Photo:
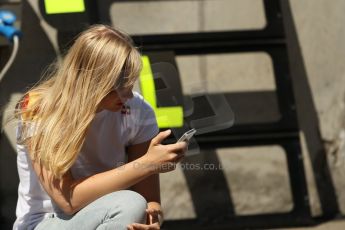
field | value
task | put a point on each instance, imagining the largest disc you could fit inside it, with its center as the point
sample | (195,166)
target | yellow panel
(167,117)
(64,6)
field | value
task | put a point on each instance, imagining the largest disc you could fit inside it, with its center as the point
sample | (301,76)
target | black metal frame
(284,132)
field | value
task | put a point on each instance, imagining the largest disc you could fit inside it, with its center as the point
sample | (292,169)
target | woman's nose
(130,95)
(127,95)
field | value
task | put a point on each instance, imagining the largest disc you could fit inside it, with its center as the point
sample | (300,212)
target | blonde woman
(88,150)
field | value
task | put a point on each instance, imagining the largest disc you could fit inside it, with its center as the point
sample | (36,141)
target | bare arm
(149,187)
(72,195)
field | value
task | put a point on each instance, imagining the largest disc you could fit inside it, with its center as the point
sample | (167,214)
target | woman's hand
(137,226)
(152,222)
(163,158)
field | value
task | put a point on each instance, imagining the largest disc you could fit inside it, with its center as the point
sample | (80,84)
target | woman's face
(115,100)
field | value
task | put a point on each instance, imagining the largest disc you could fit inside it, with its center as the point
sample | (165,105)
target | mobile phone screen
(187,135)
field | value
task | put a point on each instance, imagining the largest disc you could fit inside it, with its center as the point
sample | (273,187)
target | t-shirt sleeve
(24,133)
(144,124)
(26,126)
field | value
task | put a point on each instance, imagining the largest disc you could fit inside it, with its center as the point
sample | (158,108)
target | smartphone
(187,135)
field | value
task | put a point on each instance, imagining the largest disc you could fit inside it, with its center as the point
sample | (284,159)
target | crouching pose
(89,149)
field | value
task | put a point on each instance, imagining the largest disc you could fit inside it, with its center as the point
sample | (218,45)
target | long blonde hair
(100,60)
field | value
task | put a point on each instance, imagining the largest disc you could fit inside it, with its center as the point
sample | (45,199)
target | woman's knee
(122,207)
(133,200)
(128,201)
(131,206)
(124,196)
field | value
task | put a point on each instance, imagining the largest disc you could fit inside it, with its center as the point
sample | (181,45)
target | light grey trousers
(113,211)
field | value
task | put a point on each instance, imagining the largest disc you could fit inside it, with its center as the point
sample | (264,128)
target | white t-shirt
(104,149)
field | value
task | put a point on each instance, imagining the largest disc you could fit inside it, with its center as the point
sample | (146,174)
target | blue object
(7,29)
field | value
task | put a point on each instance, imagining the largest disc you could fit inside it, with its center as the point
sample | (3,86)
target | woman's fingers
(136,226)
(153,215)
(160,137)
(177,147)
(179,158)
(164,157)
